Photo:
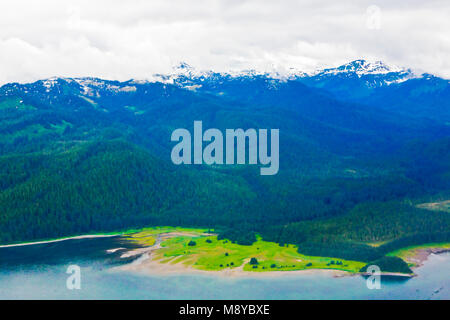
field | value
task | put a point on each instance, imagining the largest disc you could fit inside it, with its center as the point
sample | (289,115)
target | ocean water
(39,272)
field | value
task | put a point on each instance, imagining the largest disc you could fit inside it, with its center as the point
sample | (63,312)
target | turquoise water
(39,272)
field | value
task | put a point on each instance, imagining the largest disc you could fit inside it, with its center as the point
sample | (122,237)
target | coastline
(150,263)
(87,236)
(420,255)
(145,262)
(391,274)
(146,266)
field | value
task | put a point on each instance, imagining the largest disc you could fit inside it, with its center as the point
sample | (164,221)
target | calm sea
(39,272)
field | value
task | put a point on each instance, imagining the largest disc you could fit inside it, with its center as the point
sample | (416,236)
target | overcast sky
(115,39)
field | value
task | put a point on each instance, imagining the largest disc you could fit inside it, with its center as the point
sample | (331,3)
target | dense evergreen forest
(87,155)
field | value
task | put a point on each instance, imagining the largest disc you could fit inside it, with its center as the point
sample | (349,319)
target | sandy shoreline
(147,266)
(421,255)
(88,236)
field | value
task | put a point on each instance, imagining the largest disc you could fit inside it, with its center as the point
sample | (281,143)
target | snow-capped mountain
(357,79)
(360,81)
(363,67)
(358,67)
(363,75)
(375,74)
(359,73)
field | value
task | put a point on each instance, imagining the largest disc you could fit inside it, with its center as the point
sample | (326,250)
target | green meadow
(147,236)
(208,253)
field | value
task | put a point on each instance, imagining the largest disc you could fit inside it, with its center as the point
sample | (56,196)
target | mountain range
(360,146)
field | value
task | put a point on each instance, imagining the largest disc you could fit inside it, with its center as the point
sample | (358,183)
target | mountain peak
(363,67)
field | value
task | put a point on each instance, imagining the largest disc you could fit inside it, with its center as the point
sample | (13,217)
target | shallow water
(39,272)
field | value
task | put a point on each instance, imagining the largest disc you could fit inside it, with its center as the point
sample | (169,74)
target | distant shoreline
(88,236)
(144,264)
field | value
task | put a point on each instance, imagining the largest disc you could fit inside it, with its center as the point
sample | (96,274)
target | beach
(156,268)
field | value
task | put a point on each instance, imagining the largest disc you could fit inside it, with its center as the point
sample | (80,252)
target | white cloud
(135,39)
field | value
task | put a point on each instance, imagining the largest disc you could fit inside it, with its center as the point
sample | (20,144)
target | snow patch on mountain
(374,74)
(187,76)
(362,67)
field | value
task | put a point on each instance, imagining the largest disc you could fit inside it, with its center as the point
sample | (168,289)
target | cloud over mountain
(118,40)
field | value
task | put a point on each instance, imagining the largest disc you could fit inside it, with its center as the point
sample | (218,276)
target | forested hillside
(89,155)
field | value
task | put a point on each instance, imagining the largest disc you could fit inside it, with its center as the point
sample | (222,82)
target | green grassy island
(203,250)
